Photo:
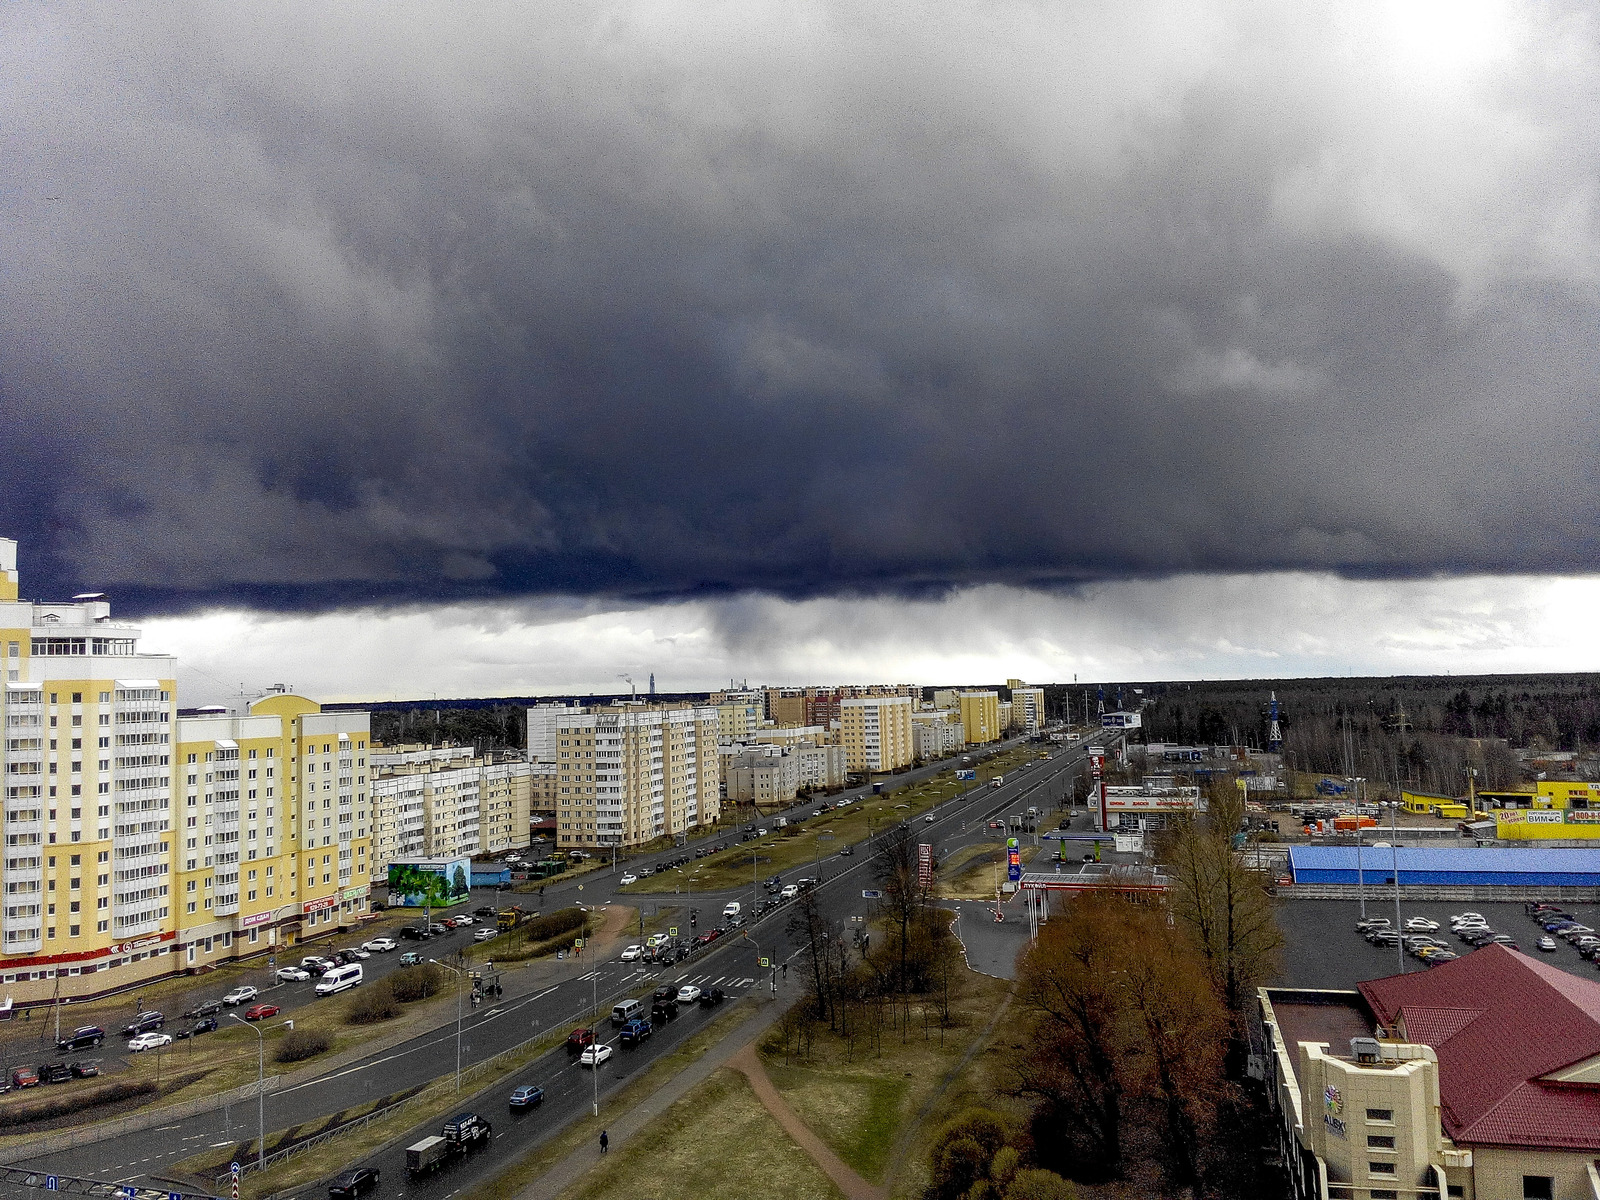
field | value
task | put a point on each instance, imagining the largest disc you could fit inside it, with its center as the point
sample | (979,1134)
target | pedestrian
(605,1141)
(786,970)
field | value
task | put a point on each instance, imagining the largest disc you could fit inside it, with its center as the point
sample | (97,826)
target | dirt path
(748,1063)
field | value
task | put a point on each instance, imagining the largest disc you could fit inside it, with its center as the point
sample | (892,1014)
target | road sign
(871,894)
(131,1192)
(966,775)
(766,962)
(673,931)
(174,1196)
(51,1183)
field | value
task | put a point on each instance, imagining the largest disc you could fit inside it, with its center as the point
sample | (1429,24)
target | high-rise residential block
(1027,708)
(875,732)
(980,717)
(441,802)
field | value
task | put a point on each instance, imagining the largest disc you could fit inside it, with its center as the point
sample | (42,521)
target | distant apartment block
(1027,709)
(876,732)
(980,717)
(448,802)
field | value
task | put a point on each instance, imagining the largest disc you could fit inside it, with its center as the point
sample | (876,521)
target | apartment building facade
(630,772)
(1027,710)
(443,802)
(875,732)
(980,717)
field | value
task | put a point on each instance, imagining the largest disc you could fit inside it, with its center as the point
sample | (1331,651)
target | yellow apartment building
(875,732)
(980,717)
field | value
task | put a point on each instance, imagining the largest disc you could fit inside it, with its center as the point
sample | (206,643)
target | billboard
(429,882)
(1013,860)
(964,776)
(924,864)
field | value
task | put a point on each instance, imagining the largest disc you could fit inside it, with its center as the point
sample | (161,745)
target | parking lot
(1323,950)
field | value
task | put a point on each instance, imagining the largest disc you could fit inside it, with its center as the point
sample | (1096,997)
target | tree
(896,867)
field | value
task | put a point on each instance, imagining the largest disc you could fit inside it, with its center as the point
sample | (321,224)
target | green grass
(858,1113)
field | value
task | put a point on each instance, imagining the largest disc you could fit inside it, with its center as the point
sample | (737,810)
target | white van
(626,1011)
(339,979)
(997,781)
(731,908)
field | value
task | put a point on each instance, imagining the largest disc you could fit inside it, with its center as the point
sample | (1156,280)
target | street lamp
(1394,853)
(261,1087)
(453,971)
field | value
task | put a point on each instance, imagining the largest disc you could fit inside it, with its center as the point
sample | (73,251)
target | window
(1380,1143)
(1538,1187)
(1383,1115)
(1380,1168)
(1384,1194)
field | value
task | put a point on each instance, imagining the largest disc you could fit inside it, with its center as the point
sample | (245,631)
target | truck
(997,781)
(509,918)
(461,1133)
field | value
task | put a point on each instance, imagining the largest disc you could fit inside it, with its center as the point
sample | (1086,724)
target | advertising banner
(924,864)
(1013,860)
(429,882)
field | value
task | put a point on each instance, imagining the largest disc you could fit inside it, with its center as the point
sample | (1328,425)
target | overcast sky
(513,347)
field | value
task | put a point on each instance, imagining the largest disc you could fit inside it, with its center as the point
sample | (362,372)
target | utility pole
(451,969)
(261,1089)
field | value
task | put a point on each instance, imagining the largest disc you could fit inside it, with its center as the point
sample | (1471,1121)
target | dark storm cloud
(303,307)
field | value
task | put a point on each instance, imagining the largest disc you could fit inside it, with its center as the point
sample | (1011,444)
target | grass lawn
(969,873)
(716,1143)
(863,1103)
(784,851)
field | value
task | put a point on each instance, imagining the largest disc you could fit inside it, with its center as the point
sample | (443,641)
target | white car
(1547,942)
(292,975)
(149,1041)
(633,954)
(630,877)
(380,945)
(929,819)
(485,935)
(790,891)
(688,994)
(1421,925)
(1475,917)
(595,1055)
(656,939)
(240,995)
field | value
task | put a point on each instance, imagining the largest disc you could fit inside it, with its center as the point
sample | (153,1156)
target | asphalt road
(1323,950)
(521,1015)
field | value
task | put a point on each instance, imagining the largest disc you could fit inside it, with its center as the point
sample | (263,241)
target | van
(783,822)
(626,1011)
(997,781)
(731,908)
(339,979)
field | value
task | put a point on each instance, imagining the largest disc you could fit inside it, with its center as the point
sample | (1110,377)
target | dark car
(414,933)
(665,992)
(354,1182)
(484,910)
(660,1014)
(712,996)
(579,1039)
(145,1022)
(529,1095)
(847,851)
(207,1008)
(209,1025)
(86,1068)
(85,1037)
(56,1072)
(635,1031)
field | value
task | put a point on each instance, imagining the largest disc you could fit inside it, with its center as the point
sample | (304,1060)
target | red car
(24,1077)
(260,1012)
(579,1039)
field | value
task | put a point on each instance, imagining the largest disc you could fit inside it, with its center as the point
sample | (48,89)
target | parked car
(414,933)
(149,1041)
(86,1068)
(209,1025)
(410,959)
(665,992)
(353,1182)
(353,953)
(292,974)
(260,1012)
(595,1055)
(205,1008)
(529,1095)
(436,929)
(55,1072)
(1547,943)
(85,1037)
(24,1077)
(486,935)
(145,1022)
(241,995)
(663,1011)
(484,910)
(464,920)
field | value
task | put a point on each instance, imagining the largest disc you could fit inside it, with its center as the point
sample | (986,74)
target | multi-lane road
(527,1009)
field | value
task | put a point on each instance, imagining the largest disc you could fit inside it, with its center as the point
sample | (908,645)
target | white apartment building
(820,768)
(759,777)
(1027,709)
(447,802)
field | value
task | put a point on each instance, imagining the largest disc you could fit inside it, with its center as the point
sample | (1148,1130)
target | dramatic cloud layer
(1182,627)
(310,304)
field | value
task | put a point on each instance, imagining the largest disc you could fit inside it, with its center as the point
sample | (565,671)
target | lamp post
(261,1089)
(1361,879)
(453,971)
(1394,853)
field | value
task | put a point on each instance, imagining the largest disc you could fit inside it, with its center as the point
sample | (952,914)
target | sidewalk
(576,1164)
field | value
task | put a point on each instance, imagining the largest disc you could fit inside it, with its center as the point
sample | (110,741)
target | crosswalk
(721,981)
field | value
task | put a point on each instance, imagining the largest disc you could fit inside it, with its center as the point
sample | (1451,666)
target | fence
(67,1139)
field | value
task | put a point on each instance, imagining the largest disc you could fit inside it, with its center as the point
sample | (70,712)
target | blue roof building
(1463,866)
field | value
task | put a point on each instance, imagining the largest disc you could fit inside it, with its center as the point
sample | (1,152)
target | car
(1444,956)
(464,920)
(688,994)
(663,1011)
(260,1012)
(353,1182)
(528,1095)
(85,1037)
(149,1041)
(86,1068)
(630,877)
(205,1008)
(145,1022)
(56,1072)
(24,1077)
(412,933)
(712,996)
(292,974)
(847,851)
(809,882)
(656,939)
(1421,925)
(486,935)
(410,959)
(315,964)
(355,952)
(762,832)
(578,1039)
(929,819)
(1547,943)
(1362,925)
(438,928)
(790,891)
(484,910)
(665,992)
(1467,916)
(209,1025)
(595,1055)
(632,953)
(635,1031)
(241,995)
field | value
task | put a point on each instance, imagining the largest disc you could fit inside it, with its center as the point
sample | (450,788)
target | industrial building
(1445,866)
